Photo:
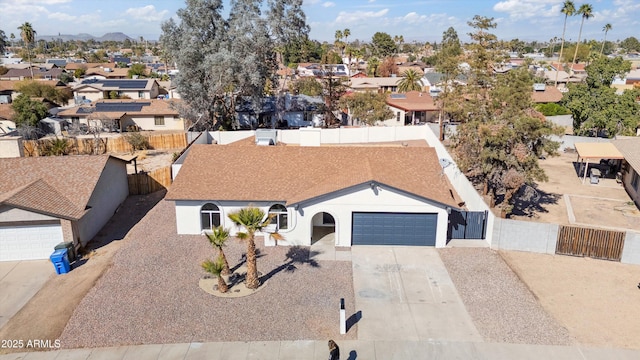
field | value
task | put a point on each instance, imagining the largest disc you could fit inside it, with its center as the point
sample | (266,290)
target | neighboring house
(562,77)
(95,89)
(144,114)
(364,195)
(315,69)
(410,108)
(378,84)
(8,91)
(38,73)
(73,66)
(106,73)
(543,94)
(630,149)
(417,66)
(297,111)
(51,199)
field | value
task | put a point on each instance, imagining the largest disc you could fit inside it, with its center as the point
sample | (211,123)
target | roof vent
(538,87)
(266,137)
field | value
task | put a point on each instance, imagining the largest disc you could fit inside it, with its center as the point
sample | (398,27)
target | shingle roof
(294,174)
(630,149)
(551,94)
(58,185)
(412,101)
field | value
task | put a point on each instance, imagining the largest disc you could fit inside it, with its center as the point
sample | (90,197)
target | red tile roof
(294,174)
(59,186)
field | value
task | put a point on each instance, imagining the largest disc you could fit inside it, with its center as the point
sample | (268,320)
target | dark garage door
(394,229)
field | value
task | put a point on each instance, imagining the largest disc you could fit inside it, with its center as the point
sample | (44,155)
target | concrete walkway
(19,281)
(351,350)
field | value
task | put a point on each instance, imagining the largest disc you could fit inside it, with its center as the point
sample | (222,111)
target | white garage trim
(29,242)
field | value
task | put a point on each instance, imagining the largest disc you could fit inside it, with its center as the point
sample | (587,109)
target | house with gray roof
(97,89)
(51,199)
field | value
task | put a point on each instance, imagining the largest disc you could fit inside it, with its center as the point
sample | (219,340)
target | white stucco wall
(340,206)
(110,191)
(148,122)
(11,147)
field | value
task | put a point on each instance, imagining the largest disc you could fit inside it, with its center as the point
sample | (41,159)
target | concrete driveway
(405,293)
(19,281)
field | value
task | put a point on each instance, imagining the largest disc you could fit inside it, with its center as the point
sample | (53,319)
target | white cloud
(328,4)
(359,16)
(147,13)
(526,9)
(62,16)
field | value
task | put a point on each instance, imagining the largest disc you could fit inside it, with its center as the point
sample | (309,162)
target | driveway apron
(405,293)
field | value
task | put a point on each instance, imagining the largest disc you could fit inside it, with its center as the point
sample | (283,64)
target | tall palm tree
(28,36)
(586,10)
(217,237)
(252,220)
(606,29)
(568,9)
(216,268)
(346,33)
(410,81)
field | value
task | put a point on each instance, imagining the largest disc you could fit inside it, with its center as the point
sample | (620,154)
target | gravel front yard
(151,294)
(500,304)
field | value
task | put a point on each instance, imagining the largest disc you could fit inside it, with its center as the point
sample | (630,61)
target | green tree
(367,108)
(217,238)
(447,61)
(46,91)
(595,106)
(307,86)
(28,36)
(630,44)
(79,72)
(333,89)
(583,53)
(3,41)
(606,29)
(55,147)
(383,45)
(586,11)
(568,9)
(410,81)
(28,112)
(137,70)
(216,268)
(252,219)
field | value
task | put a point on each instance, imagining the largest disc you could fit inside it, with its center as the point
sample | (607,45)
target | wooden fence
(148,182)
(595,243)
(79,146)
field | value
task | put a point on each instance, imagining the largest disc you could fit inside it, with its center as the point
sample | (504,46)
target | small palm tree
(252,220)
(217,237)
(28,36)
(606,29)
(586,10)
(215,268)
(410,81)
(568,9)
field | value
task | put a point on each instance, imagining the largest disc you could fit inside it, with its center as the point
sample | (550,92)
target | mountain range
(114,36)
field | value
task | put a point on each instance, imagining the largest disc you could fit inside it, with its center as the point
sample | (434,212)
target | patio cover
(600,150)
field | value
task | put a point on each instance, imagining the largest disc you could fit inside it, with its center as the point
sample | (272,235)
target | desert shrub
(552,109)
(137,141)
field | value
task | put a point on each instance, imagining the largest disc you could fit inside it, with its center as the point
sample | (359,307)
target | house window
(398,116)
(140,94)
(279,216)
(635,181)
(209,216)
(159,120)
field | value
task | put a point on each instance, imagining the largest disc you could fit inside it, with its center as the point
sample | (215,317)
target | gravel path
(500,304)
(151,295)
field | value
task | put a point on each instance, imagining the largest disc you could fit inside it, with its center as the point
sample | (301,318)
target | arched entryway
(323,229)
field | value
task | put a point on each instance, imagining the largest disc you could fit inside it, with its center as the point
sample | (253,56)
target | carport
(589,152)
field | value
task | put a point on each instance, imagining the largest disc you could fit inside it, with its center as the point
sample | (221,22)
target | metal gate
(467,224)
(595,243)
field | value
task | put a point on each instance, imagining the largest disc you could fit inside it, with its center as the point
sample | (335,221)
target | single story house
(543,94)
(364,195)
(412,107)
(39,72)
(377,84)
(96,89)
(630,149)
(106,73)
(144,114)
(47,200)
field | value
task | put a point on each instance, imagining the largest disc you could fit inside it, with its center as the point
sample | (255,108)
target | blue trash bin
(60,261)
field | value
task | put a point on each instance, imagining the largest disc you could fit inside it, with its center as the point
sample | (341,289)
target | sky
(415,20)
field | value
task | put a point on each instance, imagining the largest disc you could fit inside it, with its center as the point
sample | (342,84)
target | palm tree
(217,237)
(28,36)
(410,81)
(606,29)
(568,9)
(586,10)
(252,220)
(216,268)
(346,33)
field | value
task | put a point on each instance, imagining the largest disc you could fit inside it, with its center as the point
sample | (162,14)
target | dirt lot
(597,301)
(605,204)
